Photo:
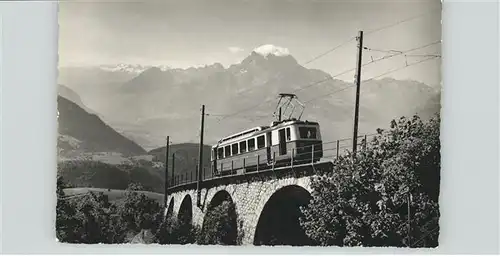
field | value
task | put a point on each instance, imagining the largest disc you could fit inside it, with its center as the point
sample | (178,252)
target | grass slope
(114,195)
(102,175)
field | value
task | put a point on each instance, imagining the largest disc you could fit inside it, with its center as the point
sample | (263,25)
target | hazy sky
(185,33)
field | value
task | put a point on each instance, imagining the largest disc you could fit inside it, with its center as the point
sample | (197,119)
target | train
(286,141)
(283,143)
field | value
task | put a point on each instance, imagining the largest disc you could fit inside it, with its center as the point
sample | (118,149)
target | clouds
(235,49)
(268,49)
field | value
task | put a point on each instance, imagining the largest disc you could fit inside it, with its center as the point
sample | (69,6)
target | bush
(138,211)
(88,219)
(173,232)
(93,219)
(363,200)
(220,226)
(66,220)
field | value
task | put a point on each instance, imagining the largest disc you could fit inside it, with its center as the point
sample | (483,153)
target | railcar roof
(306,122)
(261,129)
(243,133)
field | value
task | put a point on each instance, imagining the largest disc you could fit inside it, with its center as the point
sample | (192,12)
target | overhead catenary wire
(403,67)
(366,64)
(397,53)
(372,78)
(379,50)
(330,50)
(369,63)
(222,115)
(423,55)
(368,32)
(333,49)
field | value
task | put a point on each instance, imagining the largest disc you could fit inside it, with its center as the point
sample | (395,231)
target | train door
(214,161)
(282,141)
(269,145)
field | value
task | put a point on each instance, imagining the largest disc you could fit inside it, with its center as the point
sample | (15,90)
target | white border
(470,181)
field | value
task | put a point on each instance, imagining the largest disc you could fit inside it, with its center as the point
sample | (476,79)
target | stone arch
(220,215)
(218,198)
(185,214)
(278,223)
(170,210)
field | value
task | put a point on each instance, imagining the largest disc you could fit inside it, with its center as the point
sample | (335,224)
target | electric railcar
(262,147)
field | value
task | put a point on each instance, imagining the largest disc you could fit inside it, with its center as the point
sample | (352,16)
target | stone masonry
(249,195)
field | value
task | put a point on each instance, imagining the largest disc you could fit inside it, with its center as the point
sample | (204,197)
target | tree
(66,222)
(362,201)
(171,231)
(86,219)
(91,218)
(220,225)
(138,212)
(98,220)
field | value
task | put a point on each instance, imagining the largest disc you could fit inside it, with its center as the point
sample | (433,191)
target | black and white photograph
(249,123)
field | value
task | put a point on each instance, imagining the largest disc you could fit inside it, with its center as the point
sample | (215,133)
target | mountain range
(150,103)
(83,132)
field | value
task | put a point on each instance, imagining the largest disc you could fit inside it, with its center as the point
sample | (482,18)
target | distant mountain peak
(216,66)
(153,69)
(131,68)
(266,50)
(269,57)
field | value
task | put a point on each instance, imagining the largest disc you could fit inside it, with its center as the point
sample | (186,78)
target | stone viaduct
(266,202)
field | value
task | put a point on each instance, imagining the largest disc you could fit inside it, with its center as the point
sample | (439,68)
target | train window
(234,148)
(251,144)
(288,136)
(243,146)
(220,153)
(307,132)
(227,151)
(261,142)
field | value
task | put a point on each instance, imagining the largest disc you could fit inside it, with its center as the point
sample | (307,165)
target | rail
(328,151)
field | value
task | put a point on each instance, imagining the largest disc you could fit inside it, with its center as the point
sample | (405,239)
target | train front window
(227,151)
(220,153)
(243,146)
(288,135)
(234,148)
(261,142)
(307,132)
(251,144)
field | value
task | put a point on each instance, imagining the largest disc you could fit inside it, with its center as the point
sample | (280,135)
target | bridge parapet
(250,192)
(276,173)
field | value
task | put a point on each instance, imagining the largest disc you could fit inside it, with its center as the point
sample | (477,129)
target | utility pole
(173,169)
(200,158)
(409,218)
(358,83)
(279,116)
(166,171)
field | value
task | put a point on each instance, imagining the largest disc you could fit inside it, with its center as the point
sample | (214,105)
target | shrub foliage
(363,201)
(220,226)
(92,218)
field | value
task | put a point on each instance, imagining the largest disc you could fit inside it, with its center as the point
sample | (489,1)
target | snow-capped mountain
(157,102)
(266,50)
(131,68)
